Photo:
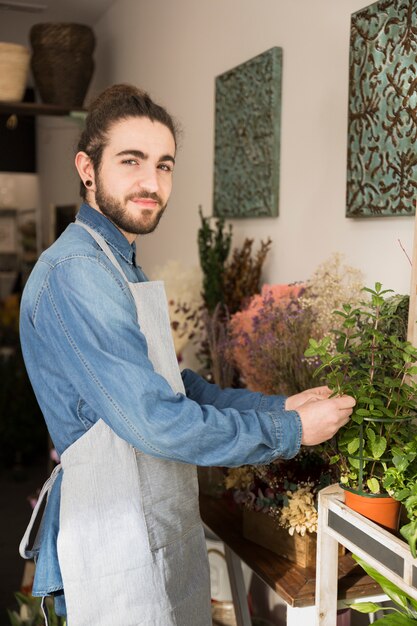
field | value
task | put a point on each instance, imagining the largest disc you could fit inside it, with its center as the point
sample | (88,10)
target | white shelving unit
(385,552)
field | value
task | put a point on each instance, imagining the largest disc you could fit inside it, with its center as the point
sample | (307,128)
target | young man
(121,534)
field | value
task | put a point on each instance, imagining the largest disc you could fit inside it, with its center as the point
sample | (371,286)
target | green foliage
(404,615)
(214,247)
(242,276)
(376,368)
(227,286)
(400,482)
(30,612)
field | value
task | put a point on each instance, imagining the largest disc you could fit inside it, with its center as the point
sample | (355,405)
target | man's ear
(85,170)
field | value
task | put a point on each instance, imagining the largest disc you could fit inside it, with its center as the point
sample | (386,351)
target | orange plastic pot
(382,510)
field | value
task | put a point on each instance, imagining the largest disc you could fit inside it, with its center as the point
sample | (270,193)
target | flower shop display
(279,503)
(371,361)
(227,285)
(268,339)
(266,342)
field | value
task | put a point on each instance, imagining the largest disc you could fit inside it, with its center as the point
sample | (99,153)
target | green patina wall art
(382,129)
(247,138)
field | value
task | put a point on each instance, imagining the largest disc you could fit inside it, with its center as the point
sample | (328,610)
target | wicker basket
(62,62)
(14,66)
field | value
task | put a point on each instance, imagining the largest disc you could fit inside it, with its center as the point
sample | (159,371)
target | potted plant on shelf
(369,358)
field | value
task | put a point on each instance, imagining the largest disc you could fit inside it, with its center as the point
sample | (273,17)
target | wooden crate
(262,529)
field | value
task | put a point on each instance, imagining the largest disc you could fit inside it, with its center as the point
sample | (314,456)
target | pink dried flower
(268,340)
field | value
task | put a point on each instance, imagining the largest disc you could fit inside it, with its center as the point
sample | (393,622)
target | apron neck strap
(103,245)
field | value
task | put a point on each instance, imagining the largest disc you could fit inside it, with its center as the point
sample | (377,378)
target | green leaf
(353,445)
(365,607)
(411,502)
(409,532)
(373,485)
(363,412)
(399,597)
(400,462)
(370,434)
(14,618)
(402,494)
(378,447)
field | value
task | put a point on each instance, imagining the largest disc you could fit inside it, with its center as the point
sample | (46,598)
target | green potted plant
(369,359)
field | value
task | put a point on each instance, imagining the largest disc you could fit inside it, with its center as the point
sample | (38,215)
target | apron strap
(23,547)
(103,245)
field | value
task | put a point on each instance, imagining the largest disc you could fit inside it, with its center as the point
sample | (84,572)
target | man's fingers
(344,414)
(345,402)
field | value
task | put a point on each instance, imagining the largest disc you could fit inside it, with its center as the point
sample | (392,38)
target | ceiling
(18,16)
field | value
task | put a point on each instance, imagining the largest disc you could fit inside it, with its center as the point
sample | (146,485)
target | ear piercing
(88,183)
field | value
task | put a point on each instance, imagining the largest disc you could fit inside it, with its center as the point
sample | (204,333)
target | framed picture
(247,138)
(8,231)
(382,126)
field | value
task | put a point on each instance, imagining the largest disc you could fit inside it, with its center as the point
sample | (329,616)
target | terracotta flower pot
(383,510)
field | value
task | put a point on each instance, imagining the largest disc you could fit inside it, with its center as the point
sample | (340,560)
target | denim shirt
(87,360)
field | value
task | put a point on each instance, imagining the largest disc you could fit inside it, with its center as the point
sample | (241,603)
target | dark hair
(113,104)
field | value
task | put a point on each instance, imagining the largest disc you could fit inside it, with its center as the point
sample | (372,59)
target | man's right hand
(321,419)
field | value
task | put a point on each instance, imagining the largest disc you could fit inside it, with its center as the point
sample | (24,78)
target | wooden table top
(294,584)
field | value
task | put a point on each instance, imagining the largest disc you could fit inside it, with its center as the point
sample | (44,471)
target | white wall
(176,49)
(56,139)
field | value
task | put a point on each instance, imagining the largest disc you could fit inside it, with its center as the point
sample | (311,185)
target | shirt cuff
(272,403)
(289,431)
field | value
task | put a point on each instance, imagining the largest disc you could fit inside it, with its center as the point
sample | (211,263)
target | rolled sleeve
(288,433)
(287,424)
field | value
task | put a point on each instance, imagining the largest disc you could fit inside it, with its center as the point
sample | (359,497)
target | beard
(141,224)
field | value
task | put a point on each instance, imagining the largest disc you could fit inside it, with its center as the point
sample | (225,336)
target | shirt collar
(109,231)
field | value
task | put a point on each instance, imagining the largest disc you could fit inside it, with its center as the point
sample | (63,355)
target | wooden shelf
(294,584)
(37,108)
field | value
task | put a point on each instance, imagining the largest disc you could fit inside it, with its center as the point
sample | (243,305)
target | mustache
(145,194)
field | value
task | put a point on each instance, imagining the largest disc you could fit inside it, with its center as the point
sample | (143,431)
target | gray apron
(131,546)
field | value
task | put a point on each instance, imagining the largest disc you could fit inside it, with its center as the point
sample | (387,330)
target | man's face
(134,181)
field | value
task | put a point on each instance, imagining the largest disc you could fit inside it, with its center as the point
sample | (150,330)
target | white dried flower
(332,284)
(300,514)
(183,288)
